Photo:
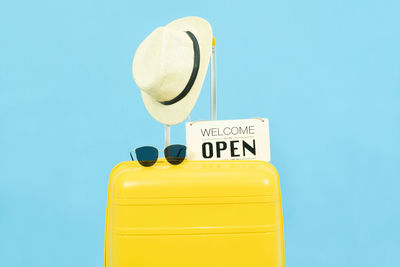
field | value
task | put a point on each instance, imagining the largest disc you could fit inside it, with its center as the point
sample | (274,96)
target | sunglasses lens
(175,154)
(146,155)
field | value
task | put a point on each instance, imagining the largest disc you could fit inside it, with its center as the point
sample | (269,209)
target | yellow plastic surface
(196,214)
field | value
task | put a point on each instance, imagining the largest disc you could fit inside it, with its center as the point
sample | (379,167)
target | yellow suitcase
(196,214)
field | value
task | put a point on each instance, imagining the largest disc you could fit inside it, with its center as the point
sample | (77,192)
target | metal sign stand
(213,82)
(167,135)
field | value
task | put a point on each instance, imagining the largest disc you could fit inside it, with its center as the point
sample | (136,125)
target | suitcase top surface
(194,179)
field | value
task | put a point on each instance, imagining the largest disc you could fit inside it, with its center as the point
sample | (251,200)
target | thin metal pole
(167,135)
(213,82)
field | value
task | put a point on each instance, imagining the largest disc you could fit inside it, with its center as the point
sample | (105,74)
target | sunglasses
(148,155)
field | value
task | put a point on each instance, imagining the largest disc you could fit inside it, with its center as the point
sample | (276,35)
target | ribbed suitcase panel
(199,213)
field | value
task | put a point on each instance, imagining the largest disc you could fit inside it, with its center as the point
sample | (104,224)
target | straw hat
(170,65)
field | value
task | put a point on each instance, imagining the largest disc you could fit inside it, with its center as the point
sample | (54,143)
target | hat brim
(179,111)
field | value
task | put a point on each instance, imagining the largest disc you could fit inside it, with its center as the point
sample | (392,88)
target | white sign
(228,140)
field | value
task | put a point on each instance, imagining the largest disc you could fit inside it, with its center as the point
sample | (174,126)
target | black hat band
(193,76)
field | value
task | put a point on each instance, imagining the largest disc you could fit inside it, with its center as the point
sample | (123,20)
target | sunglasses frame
(173,160)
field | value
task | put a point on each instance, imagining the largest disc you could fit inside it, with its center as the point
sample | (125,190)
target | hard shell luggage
(196,214)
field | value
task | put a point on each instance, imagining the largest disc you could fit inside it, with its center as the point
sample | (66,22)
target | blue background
(326,74)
